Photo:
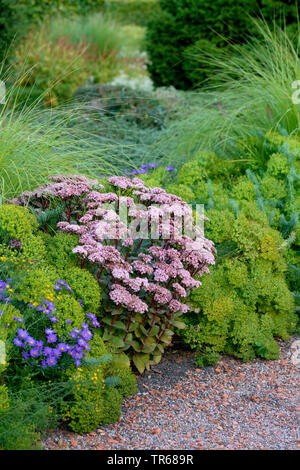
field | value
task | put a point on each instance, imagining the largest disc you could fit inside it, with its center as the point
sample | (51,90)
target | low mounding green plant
(51,336)
(180,27)
(249,299)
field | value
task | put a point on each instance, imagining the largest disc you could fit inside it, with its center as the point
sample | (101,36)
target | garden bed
(233,405)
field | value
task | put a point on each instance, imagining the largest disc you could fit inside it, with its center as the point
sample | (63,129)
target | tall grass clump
(100,31)
(36,143)
(66,53)
(249,94)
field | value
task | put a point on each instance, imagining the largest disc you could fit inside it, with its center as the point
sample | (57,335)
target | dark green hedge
(133,11)
(180,25)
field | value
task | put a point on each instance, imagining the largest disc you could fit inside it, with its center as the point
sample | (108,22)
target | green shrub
(16,222)
(249,299)
(87,411)
(182,29)
(112,402)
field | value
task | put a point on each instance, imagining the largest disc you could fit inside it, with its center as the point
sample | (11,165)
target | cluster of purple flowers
(48,307)
(4,296)
(60,284)
(51,349)
(143,169)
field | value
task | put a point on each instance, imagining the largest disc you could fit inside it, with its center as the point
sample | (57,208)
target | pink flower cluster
(141,275)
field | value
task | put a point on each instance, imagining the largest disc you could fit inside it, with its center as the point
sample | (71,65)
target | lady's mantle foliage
(143,279)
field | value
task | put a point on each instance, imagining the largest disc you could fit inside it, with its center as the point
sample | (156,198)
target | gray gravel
(181,407)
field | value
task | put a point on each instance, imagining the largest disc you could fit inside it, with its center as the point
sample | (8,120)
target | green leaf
(117,341)
(157,358)
(139,364)
(112,381)
(166,339)
(129,338)
(118,324)
(178,324)
(154,330)
(148,348)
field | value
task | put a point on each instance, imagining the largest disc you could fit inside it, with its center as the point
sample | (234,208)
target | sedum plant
(144,277)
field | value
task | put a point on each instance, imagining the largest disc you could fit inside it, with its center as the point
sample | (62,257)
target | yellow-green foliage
(7,323)
(85,287)
(245,303)
(35,286)
(120,367)
(94,403)
(4,400)
(112,402)
(59,250)
(16,222)
(68,308)
(87,411)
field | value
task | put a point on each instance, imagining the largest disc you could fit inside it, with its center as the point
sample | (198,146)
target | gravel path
(229,406)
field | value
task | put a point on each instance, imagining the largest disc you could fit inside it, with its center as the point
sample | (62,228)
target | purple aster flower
(22,333)
(76,354)
(18,342)
(62,347)
(77,362)
(54,319)
(35,352)
(56,353)
(49,331)
(39,344)
(30,341)
(86,334)
(56,287)
(25,355)
(44,364)
(170,168)
(74,333)
(68,321)
(51,361)
(51,338)
(81,342)
(47,351)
